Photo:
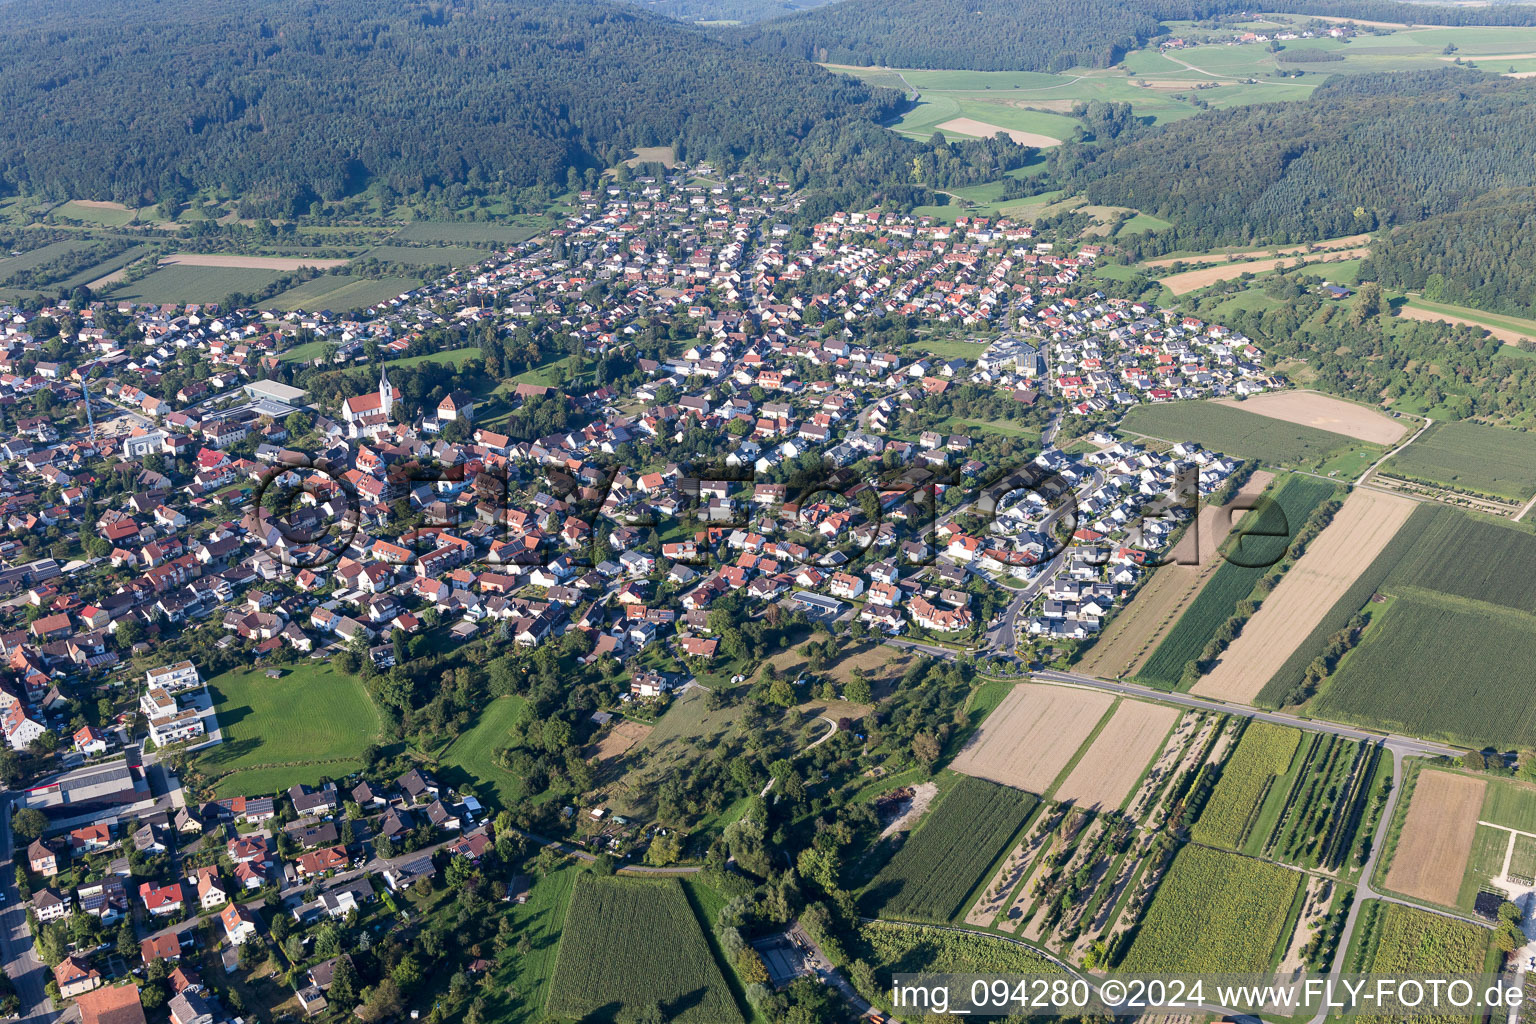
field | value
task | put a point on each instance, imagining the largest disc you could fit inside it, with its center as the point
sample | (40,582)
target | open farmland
(1213,912)
(99,211)
(629,944)
(1511,329)
(1282,686)
(1470,457)
(1226,255)
(1333,561)
(1137,628)
(982,130)
(11,266)
(178,283)
(913,949)
(426,256)
(1431,854)
(1263,754)
(1408,941)
(314,721)
(1103,777)
(1237,432)
(1261,541)
(1310,820)
(230,259)
(1032,735)
(1324,412)
(1472,558)
(930,877)
(1440,668)
(342,292)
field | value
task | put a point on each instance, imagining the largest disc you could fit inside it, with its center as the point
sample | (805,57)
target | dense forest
(1478,256)
(741,11)
(1036,35)
(1363,152)
(286,101)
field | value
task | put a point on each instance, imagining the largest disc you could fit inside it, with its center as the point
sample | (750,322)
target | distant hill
(1363,152)
(288,100)
(1039,35)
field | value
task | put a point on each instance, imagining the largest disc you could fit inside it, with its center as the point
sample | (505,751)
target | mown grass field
(629,944)
(315,721)
(1213,912)
(1237,432)
(1510,803)
(456,356)
(470,759)
(930,876)
(1472,457)
(521,987)
(1263,754)
(1264,540)
(1441,668)
(114,216)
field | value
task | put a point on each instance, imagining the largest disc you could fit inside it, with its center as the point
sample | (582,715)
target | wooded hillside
(286,100)
(1364,152)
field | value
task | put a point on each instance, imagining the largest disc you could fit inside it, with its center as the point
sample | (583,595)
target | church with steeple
(368,416)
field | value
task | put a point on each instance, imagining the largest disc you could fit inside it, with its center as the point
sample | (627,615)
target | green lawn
(315,721)
(456,356)
(470,759)
(1510,803)
(522,980)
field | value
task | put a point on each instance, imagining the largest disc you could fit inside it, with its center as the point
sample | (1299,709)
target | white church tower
(386,393)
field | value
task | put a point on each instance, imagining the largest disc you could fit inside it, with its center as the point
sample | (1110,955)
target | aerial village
(773,432)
